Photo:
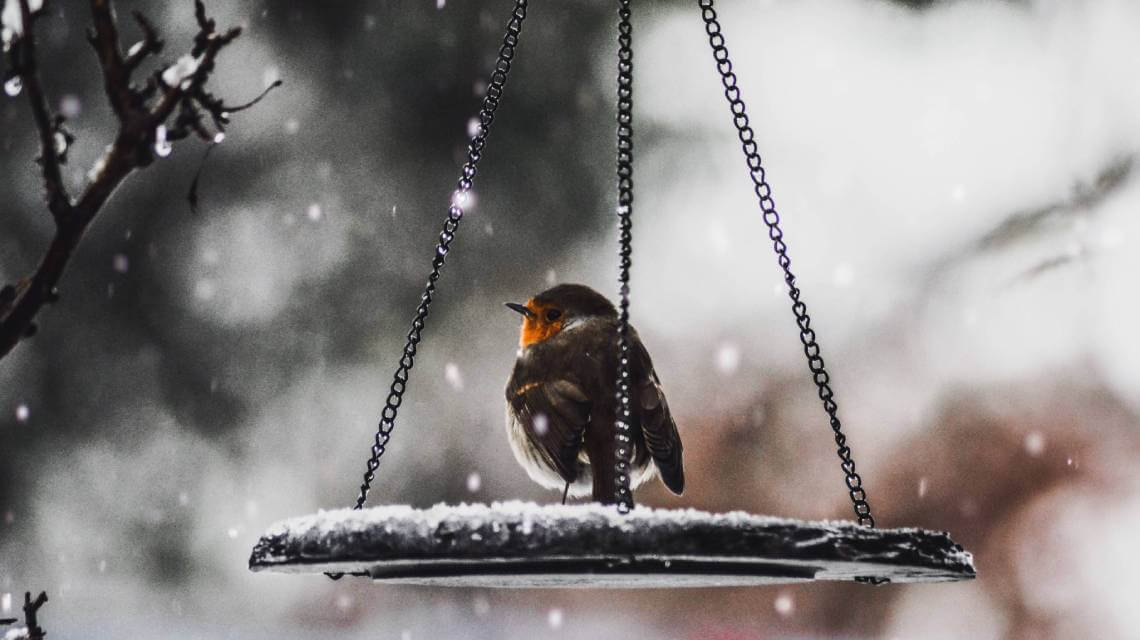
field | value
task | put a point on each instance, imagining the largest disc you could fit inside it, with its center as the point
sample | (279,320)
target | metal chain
(450,225)
(623,442)
(772,219)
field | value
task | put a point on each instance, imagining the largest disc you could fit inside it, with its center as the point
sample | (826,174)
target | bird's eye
(553,315)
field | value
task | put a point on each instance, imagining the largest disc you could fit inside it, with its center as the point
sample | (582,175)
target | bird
(562,401)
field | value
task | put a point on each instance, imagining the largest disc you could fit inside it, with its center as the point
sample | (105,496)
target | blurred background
(959,192)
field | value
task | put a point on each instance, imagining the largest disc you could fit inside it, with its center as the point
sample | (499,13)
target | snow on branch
(169,105)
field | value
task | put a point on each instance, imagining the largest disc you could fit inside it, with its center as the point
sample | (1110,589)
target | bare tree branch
(31,609)
(104,36)
(140,126)
(57,200)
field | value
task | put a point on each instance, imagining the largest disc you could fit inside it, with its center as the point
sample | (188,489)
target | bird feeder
(515,544)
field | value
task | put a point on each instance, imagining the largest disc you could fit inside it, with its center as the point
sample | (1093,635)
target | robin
(562,404)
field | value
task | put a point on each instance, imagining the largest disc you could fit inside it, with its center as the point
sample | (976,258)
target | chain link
(772,219)
(450,226)
(623,441)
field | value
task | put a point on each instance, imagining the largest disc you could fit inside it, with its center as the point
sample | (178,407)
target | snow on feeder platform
(521,544)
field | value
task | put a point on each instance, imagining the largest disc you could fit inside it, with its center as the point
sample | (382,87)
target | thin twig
(252,103)
(57,200)
(105,38)
(150,44)
(192,195)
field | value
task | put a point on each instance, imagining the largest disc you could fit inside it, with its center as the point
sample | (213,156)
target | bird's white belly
(548,477)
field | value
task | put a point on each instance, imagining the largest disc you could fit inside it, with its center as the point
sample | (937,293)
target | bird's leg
(581,439)
(600,451)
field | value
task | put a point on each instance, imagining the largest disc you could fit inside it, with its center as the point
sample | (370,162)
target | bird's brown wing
(657,425)
(555,414)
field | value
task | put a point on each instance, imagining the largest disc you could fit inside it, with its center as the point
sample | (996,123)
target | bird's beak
(514,306)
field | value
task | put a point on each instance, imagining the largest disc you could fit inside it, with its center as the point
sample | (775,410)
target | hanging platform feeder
(520,544)
(517,544)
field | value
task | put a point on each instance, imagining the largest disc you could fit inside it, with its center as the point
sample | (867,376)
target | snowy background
(959,187)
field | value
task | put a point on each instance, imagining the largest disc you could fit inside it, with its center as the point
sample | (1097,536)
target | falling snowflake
(922,486)
(1035,443)
(463,199)
(540,423)
(719,240)
(70,106)
(727,359)
(554,618)
(205,290)
(270,75)
(474,482)
(452,375)
(482,605)
(22,413)
(784,605)
(314,212)
(120,263)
